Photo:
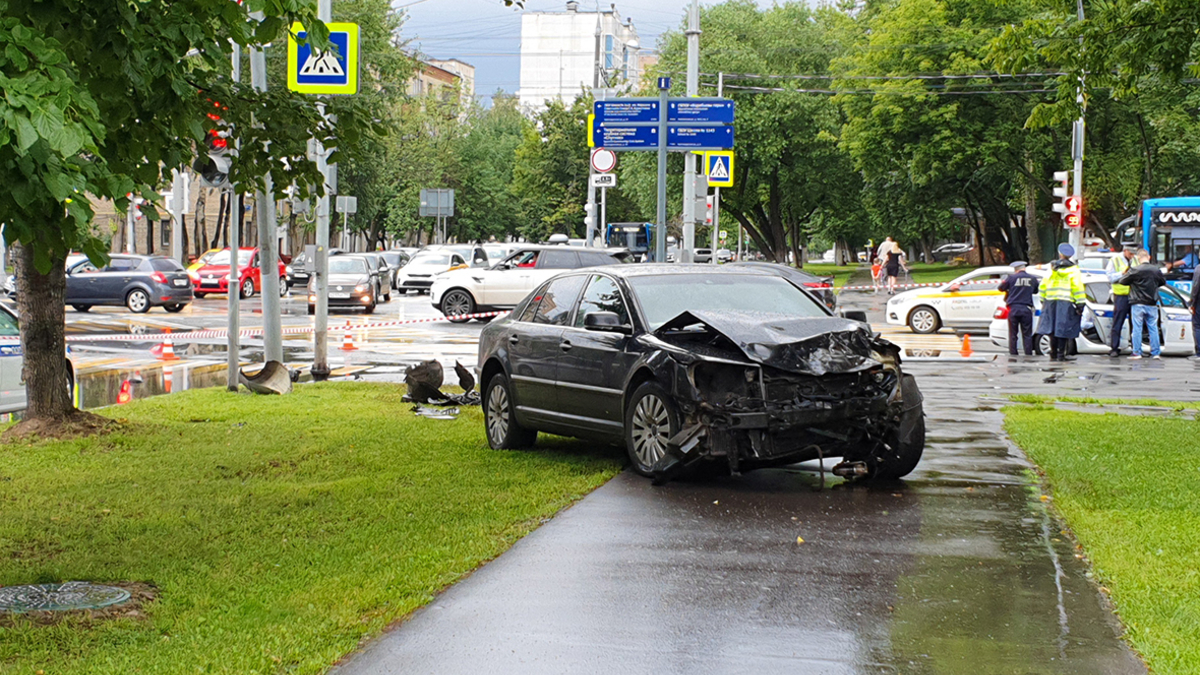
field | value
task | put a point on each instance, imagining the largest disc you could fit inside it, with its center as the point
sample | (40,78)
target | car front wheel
(650,421)
(924,320)
(81,308)
(283,287)
(178,307)
(247,288)
(138,301)
(457,302)
(500,421)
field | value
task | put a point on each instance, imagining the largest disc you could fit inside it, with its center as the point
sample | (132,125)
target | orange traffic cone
(168,376)
(168,349)
(348,341)
(125,395)
(966,346)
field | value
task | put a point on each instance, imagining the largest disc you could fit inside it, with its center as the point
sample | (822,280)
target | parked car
(10,282)
(702,255)
(297,270)
(214,276)
(395,260)
(12,364)
(203,259)
(821,287)
(956,304)
(1174,320)
(498,252)
(686,364)
(139,282)
(381,275)
(506,283)
(351,284)
(418,274)
(948,251)
(724,255)
(473,254)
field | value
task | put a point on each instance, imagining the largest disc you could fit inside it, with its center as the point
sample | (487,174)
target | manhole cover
(59,597)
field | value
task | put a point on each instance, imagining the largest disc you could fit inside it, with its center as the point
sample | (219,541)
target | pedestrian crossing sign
(334,71)
(718,165)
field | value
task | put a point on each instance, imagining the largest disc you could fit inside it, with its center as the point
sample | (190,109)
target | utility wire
(923,92)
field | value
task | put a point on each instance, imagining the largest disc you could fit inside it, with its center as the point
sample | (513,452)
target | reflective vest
(1119,266)
(1064,284)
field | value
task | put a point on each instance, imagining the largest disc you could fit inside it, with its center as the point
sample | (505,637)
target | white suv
(503,285)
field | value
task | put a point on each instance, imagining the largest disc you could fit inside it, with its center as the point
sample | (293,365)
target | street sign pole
(660,226)
(177,200)
(320,366)
(602,225)
(268,242)
(687,254)
(716,224)
(233,346)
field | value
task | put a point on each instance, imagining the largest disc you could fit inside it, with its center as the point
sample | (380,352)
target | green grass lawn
(1130,489)
(1091,400)
(921,273)
(278,531)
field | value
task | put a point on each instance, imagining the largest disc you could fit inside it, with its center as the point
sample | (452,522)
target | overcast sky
(487,35)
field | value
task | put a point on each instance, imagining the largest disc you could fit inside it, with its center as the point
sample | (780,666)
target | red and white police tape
(883,286)
(196,335)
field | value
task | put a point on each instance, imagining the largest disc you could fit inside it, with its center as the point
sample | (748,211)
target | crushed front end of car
(757,390)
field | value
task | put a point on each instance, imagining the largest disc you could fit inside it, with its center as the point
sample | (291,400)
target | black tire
(500,420)
(81,308)
(401,291)
(312,310)
(283,287)
(924,320)
(455,302)
(178,307)
(650,409)
(246,290)
(370,309)
(138,301)
(1041,344)
(199,296)
(907,442)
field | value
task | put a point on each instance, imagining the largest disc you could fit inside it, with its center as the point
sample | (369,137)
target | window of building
(608,51)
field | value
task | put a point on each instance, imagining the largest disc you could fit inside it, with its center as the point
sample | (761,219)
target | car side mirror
(606,322)
(854,315)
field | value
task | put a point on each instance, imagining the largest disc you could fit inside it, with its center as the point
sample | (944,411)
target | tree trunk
(200,222)
(1032,238)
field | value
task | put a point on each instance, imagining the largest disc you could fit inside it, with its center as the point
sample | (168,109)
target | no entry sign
(603,160)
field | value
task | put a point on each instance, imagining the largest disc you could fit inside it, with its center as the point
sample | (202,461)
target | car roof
(658,269)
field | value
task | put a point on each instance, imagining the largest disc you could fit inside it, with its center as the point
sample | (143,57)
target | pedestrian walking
(1116,268)
(1019,289)
(892,265)
(884,247)
(1062,303)
(1143,282)
(877,274)
(1195,314)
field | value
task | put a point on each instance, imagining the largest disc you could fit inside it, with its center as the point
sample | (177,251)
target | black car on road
(351,284)
(686,364)
(137,281)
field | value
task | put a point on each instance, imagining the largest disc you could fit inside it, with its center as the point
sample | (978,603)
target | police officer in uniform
(1116,268)
(1019,289)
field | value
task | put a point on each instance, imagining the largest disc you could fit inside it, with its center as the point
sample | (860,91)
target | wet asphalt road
(958,569)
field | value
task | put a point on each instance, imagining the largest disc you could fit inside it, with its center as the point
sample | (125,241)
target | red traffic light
(1072,220)
(1072,203)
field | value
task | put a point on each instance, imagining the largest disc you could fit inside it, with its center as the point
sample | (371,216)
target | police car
(964,303)
(12,365)
(1174,320)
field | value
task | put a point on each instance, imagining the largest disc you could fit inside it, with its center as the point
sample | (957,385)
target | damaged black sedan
(687,364)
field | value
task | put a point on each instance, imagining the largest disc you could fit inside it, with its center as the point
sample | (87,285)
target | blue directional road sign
(700,138)
(700,110)
(626,138)
(627,110)
(333,72)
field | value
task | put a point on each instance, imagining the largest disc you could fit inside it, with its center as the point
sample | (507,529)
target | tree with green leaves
(550,179)
(104,98)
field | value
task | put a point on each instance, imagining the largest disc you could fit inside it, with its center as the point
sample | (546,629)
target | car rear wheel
(178,307)
(650,421)
(81,308)
(247,288)
(138,301)
(1041,344)
(283,287)
(499,419)
(924,320)
(311,310)
(457,302)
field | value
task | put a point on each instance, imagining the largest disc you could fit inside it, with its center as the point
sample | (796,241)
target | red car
(214,276)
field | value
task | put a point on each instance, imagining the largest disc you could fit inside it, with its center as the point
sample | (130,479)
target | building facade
(561,56)
(465,73)
(431,79)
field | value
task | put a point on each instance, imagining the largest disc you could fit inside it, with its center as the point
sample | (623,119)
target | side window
(555,305)
(596,259)
(456,260)
(602,295)
(1168,298)
(532,304)
(121,265)
(8,324)
(990,282)
(558,260)
(1099,293)
(84,267)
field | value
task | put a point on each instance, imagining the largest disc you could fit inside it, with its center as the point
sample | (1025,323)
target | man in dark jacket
(1019,289)
(1195,314)
(1143,282)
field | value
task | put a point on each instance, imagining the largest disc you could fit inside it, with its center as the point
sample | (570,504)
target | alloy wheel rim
(457,304)
(497,414)
(283,289)
(923,320)
(248,288)
(651,430)
(137,301)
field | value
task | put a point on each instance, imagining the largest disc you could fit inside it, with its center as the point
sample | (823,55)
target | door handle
(565,345)
(513,339)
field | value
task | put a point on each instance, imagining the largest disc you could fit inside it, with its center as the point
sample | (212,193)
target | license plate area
(339,296)
(179,283)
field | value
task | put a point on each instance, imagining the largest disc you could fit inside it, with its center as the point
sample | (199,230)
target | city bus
(633,236)
(1169,228)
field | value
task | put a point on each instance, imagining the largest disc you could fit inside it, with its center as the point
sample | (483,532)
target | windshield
(222,257)
(393,258)
(663,297)
(346,265)
(1093,263)
(430,258)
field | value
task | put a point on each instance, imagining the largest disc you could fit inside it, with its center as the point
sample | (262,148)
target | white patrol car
(956,304)
(1174,320)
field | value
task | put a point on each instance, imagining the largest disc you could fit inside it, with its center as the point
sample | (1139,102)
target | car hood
(215,270)
(347,279)
(807,346)
(424,269)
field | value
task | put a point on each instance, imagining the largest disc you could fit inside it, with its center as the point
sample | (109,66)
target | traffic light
(589,219)
(708,213)
(1070,206)
(213,168)
(1074,213)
